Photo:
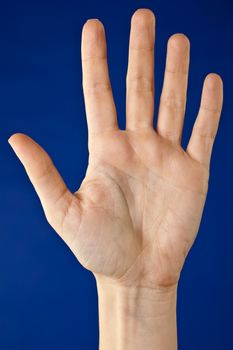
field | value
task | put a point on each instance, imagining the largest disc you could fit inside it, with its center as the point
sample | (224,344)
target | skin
(137,212)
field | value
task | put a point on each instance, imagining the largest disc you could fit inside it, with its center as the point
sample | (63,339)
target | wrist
(136,317)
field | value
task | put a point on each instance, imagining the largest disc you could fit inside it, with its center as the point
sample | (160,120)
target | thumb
(49,185)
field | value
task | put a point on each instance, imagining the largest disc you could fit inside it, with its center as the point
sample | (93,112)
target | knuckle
(204,133)
(140,83)
(96,87)
(210,108)
(177,104)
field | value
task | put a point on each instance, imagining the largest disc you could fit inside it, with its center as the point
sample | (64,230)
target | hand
(138,210)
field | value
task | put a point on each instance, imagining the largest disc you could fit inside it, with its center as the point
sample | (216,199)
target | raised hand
(138,210)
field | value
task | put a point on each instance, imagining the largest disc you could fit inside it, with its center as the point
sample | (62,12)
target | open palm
(139,207)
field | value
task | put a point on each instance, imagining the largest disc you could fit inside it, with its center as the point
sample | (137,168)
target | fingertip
(13,139)
(93,39)
(92,27)
(22,144)
(143,16)
(179,41)
(15,135)
(18,138)
(213,81)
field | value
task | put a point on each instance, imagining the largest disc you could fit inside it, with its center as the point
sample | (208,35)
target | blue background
(47,300)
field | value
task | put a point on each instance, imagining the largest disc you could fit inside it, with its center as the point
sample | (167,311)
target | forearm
(136,318)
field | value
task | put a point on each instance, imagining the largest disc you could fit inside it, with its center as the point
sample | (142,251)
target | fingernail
(93,19)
